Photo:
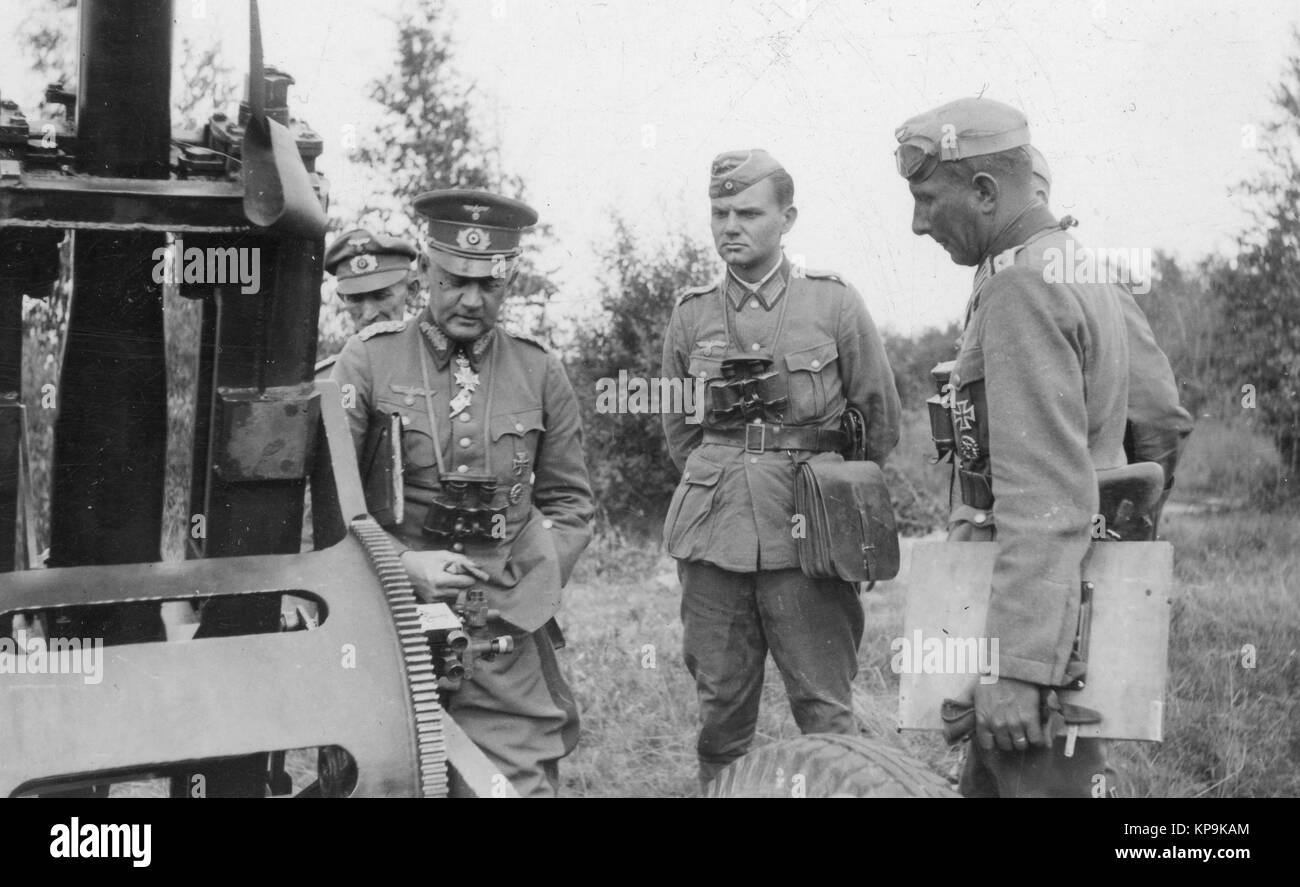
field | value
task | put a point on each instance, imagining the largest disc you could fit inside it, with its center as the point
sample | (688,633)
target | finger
(983,736)
(1002,736)
(476,570)
(1033,728)
(455,580)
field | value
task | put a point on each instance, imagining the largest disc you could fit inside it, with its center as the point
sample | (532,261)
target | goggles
(918,157)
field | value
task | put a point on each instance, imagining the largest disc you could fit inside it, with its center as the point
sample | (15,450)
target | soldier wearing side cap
(1158,425)
(805,343)
(374,277)
(487,415)
(1038,395)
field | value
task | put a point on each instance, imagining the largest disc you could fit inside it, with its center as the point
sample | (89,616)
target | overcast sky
(1141,108)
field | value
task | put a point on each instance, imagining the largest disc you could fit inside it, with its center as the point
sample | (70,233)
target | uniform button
(406,420)
(753,304)
(409,400)
(753,347)
(815,364)
(519,426)
(462,468)
(465,442)
(458,546)
(753,459)
(980,517)
(686,476)
(548,523)
(464,417)
(704,374)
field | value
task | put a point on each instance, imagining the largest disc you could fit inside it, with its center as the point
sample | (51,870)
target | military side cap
(474,233)
(955,131)
(734,171)
(362,262)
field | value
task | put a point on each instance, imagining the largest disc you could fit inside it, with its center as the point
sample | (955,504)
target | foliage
(912,358)
(632,473)
(426,139)
(1259,288)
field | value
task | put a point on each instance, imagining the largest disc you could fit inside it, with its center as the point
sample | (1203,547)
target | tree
(632,474)
(1261,288)
(426,139)
(912,358)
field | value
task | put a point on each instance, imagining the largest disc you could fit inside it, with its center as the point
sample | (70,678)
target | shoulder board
(692,291)
(523,337)
(379,329)
(816,274)
(324,365)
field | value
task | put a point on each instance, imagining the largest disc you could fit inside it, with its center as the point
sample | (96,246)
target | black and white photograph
(612,399)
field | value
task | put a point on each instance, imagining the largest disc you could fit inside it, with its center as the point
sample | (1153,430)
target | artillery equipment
(358,680)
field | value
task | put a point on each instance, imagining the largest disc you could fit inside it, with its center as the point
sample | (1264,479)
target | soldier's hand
(438,574)
(1008,714)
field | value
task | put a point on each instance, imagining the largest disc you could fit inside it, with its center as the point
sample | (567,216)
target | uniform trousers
(731,620)
(520,712)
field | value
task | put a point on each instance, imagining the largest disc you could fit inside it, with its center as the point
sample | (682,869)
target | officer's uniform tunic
(522,428)
(730,520)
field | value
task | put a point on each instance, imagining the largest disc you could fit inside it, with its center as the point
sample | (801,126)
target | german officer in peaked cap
(488,410)
(809,343)
(375,275)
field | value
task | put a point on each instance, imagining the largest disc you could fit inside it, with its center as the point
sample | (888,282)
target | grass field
(1231,731)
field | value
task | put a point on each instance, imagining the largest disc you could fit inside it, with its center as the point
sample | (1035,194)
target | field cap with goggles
(955,131)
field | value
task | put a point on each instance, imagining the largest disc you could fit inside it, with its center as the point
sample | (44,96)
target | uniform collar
(769,289)
(1033,218)
(444,348)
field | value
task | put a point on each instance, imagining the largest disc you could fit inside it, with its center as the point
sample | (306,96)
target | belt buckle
(750,447)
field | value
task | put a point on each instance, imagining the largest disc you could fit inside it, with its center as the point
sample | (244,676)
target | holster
(1129,497)
(849,530)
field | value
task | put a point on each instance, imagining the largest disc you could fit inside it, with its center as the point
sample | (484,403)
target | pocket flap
(814,359)
(517,423)
(701,473)
(706,367)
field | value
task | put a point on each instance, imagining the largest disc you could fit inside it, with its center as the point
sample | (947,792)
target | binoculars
(462,510)
(748,390)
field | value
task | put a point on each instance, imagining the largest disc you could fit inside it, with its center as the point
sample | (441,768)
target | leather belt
(759,437)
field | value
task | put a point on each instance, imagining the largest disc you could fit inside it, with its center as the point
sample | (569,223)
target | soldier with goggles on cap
(1038,397)
(495,492)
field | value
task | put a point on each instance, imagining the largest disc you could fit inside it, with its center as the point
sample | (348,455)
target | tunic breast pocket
(417,443)
(814,382)
(705,367)
(515,437)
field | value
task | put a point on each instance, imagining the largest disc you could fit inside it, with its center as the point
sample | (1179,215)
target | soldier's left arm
(867,376)
(562,490)
(1044,485)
